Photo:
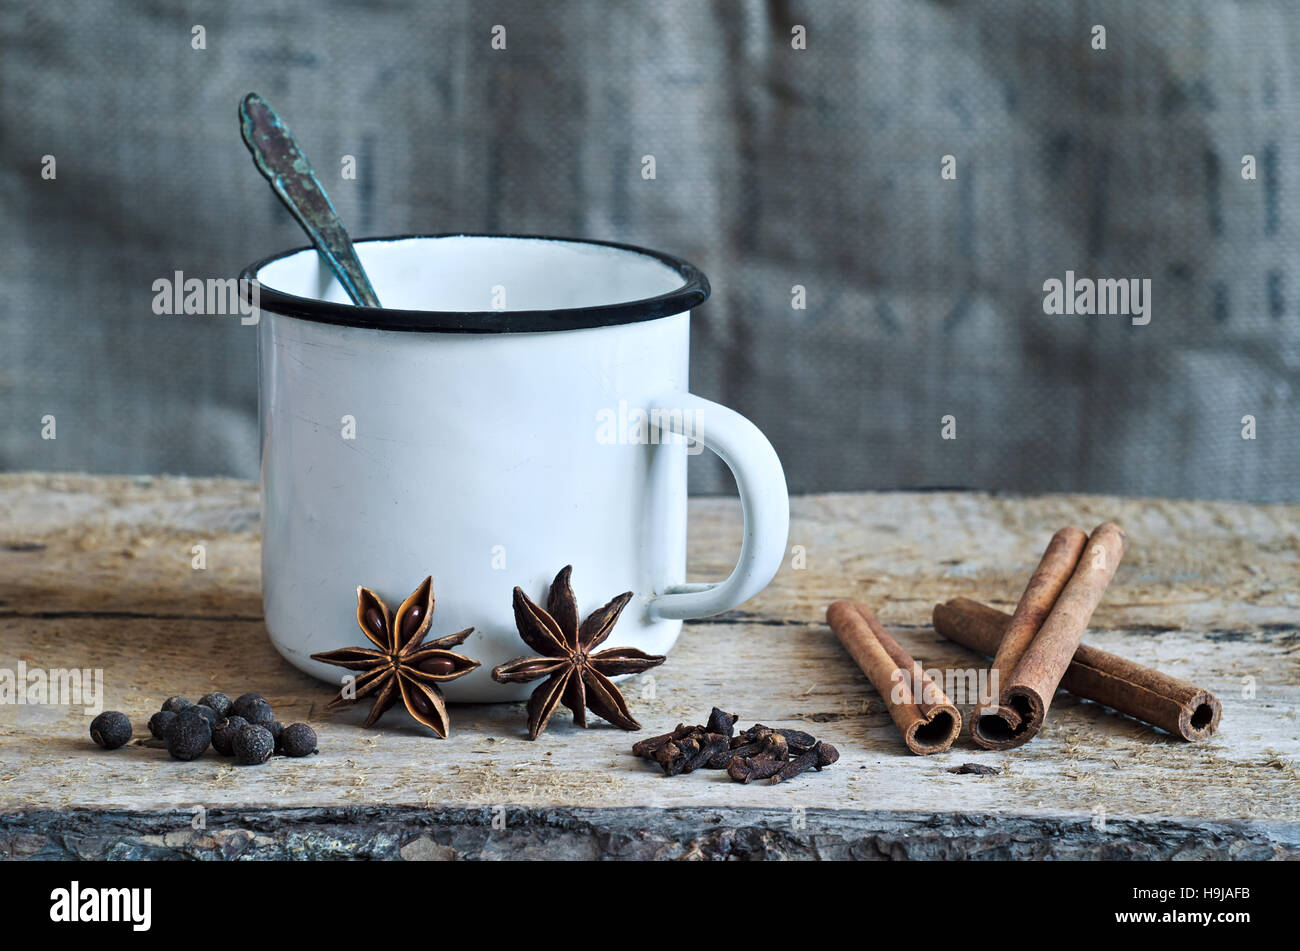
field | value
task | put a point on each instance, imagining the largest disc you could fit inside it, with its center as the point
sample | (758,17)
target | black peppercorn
(298,739)
(275,728)
(110,729)
(253,745)
(159,722)
(223,734)
(253,708)
(217,701)
(188,736)
(176,704)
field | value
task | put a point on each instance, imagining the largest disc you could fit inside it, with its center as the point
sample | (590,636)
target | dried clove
(769,744)
(723,757)
(689,754)
(770,756)
(721,722)
(711,745)
(821,754)
(647,748)
(673,756)
(759,752)
(798,740)
(744,769)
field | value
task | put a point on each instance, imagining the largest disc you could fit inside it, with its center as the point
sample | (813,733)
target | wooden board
(96,573)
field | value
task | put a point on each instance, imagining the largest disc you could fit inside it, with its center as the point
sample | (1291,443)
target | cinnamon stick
(1173,705)
(1043,663)
(1025,697)
(929,723)
(995,728)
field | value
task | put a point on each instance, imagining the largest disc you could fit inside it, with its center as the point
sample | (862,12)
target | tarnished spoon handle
(278,157)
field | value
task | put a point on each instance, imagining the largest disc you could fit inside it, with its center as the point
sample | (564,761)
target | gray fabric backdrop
(774,167)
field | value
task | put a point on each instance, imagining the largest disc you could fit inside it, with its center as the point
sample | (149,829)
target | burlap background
(775,167)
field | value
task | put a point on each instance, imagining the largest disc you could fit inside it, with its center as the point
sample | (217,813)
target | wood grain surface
(96,573)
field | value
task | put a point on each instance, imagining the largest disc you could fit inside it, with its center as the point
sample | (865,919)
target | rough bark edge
(396,832)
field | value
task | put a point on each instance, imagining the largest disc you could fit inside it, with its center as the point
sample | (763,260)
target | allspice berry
(110,729)
(298,739)
(223,734)
(217,701)
(245,728)
(253,745)
(253,708)
(206,712)
(159,722)
(188,736)
(243,700)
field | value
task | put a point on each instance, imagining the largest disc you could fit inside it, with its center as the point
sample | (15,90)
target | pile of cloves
(760,752)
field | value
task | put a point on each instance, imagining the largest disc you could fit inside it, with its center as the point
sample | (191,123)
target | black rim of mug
(693,292)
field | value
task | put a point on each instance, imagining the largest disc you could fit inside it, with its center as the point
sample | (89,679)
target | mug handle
(763,499)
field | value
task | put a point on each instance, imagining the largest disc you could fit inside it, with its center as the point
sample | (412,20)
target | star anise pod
(401,667)
(574,675)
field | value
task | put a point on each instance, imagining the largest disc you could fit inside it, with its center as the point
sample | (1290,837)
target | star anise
(401,667)
(574,675)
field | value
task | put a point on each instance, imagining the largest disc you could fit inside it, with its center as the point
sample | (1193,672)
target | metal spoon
(278,157)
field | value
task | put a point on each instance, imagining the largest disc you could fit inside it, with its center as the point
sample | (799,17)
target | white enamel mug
(519,404)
